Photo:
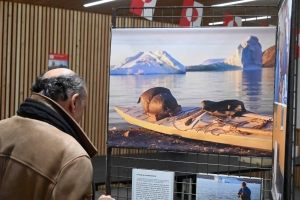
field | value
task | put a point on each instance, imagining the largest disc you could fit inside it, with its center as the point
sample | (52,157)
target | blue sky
(190,46)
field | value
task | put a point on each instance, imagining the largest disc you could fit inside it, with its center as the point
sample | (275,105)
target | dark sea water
(254,87)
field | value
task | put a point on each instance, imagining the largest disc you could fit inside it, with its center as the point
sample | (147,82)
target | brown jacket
(39,162)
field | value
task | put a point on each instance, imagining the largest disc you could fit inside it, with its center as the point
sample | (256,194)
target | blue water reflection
(254,87)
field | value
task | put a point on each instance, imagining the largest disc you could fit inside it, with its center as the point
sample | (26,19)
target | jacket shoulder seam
(29,166)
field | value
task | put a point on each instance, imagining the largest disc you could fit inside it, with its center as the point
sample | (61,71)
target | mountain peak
(149,62)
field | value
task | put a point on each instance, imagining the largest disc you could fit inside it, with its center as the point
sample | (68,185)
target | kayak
(248,130)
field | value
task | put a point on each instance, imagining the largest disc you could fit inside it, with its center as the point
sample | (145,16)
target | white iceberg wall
(247,55)
(151,62)
(236,59)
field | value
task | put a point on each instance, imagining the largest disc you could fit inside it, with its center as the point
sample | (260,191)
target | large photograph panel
(180,89)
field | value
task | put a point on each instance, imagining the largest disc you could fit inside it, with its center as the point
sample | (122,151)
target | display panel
(281,96)
(172,88)
(152,184)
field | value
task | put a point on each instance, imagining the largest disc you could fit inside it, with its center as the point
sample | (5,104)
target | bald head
(59,84)
(58,72)
(65,87)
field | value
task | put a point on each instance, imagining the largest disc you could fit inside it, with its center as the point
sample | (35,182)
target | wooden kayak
(250,130)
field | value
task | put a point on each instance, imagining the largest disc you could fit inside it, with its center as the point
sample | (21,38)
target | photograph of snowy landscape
(195,65)
(211,186)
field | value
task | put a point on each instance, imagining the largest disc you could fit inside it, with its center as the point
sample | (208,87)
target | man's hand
(105,197)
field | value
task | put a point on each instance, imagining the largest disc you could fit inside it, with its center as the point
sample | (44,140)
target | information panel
(151,184)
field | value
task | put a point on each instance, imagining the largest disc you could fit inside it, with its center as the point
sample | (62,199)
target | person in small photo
(244,193)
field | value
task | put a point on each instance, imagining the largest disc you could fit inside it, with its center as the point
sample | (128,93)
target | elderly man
(44,154)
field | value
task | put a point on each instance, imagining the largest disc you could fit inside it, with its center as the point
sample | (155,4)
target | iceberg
(248,54)
(150,62)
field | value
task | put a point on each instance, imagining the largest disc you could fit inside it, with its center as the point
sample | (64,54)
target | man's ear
(74,102)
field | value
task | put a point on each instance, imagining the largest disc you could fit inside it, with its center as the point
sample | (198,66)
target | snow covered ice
(150,62)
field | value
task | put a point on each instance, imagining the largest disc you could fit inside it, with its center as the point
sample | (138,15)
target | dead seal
(224,108)
(159,103)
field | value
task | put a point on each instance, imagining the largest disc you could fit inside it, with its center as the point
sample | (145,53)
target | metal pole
(190,189)
(113,19)
(182,189)
(108,172)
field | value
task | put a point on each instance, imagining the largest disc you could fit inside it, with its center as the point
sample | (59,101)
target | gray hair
(60,87)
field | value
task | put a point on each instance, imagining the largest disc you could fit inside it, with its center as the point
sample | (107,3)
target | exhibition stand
(197,148)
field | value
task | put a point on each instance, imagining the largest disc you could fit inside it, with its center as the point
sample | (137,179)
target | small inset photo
(212,186)
(57,61)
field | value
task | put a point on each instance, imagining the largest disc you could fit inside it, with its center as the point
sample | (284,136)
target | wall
(29,33)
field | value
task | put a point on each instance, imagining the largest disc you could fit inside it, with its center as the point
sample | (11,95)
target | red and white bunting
(230,20)
(191,17)
(146,13)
